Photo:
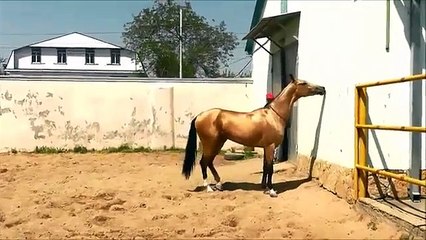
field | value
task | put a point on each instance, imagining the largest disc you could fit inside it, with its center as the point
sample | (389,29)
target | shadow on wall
(314,151)
(403,8)
(412,14)
(376,143)
(377,181)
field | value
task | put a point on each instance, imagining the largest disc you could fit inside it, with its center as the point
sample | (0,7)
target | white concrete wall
(76,59)
(342,43)
(100,114)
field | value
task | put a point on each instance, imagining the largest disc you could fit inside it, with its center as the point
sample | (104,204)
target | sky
(26,22)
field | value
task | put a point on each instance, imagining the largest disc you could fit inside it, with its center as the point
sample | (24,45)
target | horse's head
(305,89)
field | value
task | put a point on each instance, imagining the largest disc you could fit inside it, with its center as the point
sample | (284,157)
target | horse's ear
(292,78)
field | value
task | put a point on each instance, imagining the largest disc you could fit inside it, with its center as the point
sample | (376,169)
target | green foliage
(48,150)
(174,149)
(154,35)
(80,149)
(249,154)
(124,148)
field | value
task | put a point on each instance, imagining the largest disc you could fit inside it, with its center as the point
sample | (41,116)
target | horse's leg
(269,157)
(216,176)
(264,173)
(203,164)
(213,170)
(211,147)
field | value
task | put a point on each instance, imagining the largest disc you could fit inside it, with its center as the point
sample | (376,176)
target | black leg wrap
(265,173)
(270,171)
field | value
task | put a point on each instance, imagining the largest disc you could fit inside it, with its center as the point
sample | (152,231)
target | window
(115,56)
(62,55)
(90,56)
(35,55)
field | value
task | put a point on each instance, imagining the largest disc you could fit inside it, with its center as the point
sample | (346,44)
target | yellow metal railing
(361,146)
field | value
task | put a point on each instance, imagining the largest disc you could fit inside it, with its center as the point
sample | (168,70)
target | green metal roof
(268,26)
(257,15)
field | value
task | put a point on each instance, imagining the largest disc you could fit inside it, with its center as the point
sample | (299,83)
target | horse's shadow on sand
(279,187)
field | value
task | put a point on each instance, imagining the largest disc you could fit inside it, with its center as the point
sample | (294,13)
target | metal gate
(361,146)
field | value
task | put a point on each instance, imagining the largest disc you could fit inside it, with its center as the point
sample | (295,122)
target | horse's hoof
(266,191)
(272,193)
(209,189)
(219,187)
(205,183)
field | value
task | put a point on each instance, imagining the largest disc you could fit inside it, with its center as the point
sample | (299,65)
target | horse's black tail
(190,151)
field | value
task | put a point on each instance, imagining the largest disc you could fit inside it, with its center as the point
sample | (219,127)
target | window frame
(35,55)
(88,56)
(115,56)
(61,56)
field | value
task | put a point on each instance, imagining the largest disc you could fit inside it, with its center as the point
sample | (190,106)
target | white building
(73,53)
(338,44)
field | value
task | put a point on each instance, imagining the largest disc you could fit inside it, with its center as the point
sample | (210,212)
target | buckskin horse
(262,127)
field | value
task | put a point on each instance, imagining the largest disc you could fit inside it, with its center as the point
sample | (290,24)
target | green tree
(154,35)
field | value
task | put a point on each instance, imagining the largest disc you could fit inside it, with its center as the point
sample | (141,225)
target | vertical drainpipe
(387,25)
(415,97)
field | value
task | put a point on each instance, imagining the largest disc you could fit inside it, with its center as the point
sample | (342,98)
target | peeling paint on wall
(50,125)
(46,120)
(20,102)
(60,110)
(38,129)
(130,129)
(43,113)
(136,129)
(4,110)
(154,126)
(80,135)
(111,135)
(40,126)
(182,136)
(29,106)
(179,120)
(93,130)
(189,114)
(7,96)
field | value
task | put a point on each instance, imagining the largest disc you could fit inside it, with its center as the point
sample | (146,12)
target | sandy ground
(144,196)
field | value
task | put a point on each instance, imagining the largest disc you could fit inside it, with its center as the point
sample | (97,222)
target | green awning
(271,25)
(257,15)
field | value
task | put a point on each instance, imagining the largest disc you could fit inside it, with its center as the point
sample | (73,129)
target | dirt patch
(144,195)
